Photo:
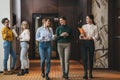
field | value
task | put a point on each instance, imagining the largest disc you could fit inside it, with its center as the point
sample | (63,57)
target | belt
(45,42)
(85,40)
(25,41)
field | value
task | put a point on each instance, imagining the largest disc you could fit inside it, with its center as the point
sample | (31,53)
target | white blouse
(91,31)
(25,35)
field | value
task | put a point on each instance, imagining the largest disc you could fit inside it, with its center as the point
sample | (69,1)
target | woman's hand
(6,33)
(88,38)
(64,34)
(18,38)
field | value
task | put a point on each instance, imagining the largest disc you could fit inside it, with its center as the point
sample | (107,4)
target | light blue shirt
(44,34)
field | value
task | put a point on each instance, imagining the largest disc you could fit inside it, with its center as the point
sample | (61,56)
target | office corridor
(76,72)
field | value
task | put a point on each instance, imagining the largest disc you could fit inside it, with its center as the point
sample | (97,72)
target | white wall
(4,12)
(17,11)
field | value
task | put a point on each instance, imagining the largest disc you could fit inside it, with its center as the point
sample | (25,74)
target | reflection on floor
(76,72)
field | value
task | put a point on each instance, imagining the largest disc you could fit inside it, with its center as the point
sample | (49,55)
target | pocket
(28,46)
(6,44)
(24,44)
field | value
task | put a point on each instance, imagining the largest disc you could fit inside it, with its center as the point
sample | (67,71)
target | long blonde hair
(23,24)
(44,20)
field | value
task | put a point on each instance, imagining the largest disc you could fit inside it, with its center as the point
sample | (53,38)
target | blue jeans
(24,55)
(45,54)
(8,49)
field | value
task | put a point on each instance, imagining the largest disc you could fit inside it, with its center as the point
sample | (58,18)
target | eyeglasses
(24,24)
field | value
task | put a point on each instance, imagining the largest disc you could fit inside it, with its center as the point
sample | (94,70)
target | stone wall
(100,12)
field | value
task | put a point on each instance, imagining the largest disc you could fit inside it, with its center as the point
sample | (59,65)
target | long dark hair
(63,17)
(92,18)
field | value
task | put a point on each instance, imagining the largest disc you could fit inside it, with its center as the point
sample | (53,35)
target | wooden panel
(26,14)
(110,34)
(117,54)
(116,26)
(26,9)
(36,6)
(117,22)
(68,8)
(45,6)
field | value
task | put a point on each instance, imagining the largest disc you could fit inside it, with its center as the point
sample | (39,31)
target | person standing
(44,36)
(88,38)
(64,34)
(24,44)
(7,36)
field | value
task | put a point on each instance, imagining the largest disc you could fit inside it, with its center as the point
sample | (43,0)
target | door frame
(111,37)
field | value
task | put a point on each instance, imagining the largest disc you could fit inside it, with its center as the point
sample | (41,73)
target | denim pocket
(6,44)
(24,44)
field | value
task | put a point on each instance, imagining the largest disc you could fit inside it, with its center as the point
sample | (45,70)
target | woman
(63,44)
(7,36)
(44,37)
(88,47)
(24,44)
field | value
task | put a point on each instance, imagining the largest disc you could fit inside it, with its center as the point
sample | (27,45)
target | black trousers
(87,49)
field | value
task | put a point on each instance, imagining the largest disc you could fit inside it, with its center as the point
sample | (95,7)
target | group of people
(44,36)
(24,38)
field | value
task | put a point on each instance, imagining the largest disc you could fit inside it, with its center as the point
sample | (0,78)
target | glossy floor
(76,72)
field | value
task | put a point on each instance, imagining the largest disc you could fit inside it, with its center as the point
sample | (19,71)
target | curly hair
(3,20)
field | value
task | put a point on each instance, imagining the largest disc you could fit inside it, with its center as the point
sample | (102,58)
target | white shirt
(25,35)
(91,31)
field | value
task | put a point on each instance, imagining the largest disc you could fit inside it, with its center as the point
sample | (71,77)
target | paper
(14,33)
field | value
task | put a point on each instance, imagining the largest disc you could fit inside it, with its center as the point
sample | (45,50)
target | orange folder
(81,30)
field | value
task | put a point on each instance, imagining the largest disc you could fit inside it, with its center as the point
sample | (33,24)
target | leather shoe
(85,77)
(90,76)
(47,78)
(63,76)
(21,73)
(26,71)
(66,76)
(43,75)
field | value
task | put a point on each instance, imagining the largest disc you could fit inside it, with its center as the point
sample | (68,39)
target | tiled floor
(76,72)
